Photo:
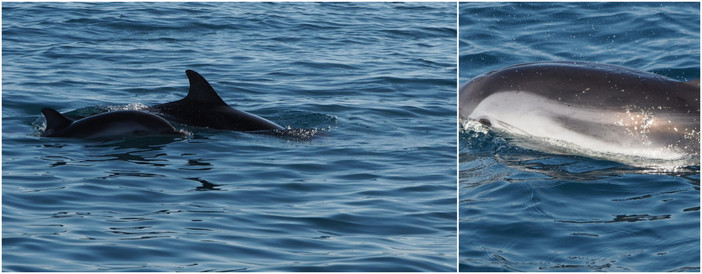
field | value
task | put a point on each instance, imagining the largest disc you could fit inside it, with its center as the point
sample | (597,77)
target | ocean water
(372,189)
(522,209)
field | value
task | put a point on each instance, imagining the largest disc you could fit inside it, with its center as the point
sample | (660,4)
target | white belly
(584,130)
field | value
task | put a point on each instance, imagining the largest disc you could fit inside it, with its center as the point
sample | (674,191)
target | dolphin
(109,124)
(203,107)
(602,108)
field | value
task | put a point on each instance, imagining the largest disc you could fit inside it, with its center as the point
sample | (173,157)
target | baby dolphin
(598,107)
(203,107)
(109,124)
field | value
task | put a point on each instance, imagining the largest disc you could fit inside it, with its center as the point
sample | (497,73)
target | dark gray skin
(203,107)
(109,124)
(589,99)
(616,86)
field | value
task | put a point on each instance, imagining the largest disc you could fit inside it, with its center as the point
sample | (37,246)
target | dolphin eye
(485,121)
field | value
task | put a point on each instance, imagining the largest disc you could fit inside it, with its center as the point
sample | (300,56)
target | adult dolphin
(601,108)
(109,124)
(203,107)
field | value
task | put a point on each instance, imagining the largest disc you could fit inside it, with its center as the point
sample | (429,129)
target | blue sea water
(525,210)
(374,188)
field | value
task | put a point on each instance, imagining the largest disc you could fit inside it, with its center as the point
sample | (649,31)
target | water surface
(527,210)
(374,189)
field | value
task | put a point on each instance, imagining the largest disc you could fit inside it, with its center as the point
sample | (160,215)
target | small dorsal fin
(694,83)
(55,120)
(201,91)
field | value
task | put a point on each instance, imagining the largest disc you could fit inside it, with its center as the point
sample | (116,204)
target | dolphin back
(203,107)
(109,124)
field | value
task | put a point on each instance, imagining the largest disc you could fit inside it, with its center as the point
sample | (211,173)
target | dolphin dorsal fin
(55,120)
(201,91)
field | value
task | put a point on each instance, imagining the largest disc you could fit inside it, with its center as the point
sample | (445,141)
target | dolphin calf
(596,107)
(203,107)
(109,124)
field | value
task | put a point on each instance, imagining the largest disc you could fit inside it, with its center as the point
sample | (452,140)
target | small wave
(297,134)
(132,106)
(325,65)
(304,119)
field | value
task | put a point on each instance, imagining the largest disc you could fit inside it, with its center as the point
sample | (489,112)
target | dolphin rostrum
(109,124)
(203,107)
(603,108)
